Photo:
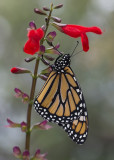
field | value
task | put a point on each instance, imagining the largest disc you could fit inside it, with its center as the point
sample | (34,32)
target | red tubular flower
(76,31)
(33,44)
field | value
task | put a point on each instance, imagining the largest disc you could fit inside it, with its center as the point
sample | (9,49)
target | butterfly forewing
(61,101)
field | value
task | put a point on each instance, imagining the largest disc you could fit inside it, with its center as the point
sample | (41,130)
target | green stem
(47,23)
(34,80)
(27,142)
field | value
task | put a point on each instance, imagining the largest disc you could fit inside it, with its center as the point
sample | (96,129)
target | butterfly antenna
(77,53)
(74,48)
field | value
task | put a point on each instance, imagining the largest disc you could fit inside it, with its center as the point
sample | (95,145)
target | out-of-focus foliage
(94,71)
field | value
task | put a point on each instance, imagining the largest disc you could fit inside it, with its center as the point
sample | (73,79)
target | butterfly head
(61,62)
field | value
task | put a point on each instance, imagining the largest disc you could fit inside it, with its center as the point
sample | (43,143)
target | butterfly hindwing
(77,129)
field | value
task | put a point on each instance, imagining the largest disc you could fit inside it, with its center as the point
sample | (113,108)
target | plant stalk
(34,80)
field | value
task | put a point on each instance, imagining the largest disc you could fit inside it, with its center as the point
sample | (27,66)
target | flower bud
(58,6)
(19,70)
(46,71)
(51,5)
(17,152)
(49,58)
(39,11)
(29,59)
(25,98)
(57,46)
(43,27)
(26,155)
(43,77)
(37,153)
(42,49)
(23,126)
(58,26)
(45,62)
(12,124)
(43,125)
(46,9)
(51,35)
(46,19)
(18,92)
(56,19)
(39,156)
(32,25)
(52,51)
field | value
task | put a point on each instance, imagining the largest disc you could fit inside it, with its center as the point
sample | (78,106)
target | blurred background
(94,70)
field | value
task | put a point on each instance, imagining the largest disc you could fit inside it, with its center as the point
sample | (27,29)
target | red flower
(33,44)
(76,31)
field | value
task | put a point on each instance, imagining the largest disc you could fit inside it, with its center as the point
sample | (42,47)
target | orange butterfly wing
(61,101)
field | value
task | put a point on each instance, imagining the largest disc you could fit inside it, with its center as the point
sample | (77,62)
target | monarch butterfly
(61,100)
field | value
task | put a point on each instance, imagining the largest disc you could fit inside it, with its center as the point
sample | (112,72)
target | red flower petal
(71,30)
(40,33)
(85,42)
(31,46)
(96,30)
(36,34)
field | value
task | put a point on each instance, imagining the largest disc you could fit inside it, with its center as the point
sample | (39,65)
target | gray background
(94,70)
